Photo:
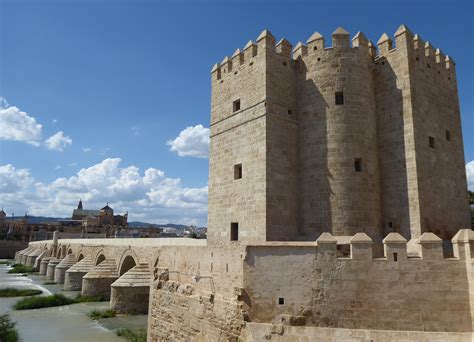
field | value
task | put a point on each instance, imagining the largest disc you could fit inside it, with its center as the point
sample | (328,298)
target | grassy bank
(96,314)
(8,332)
(5,262)
(12,292)
(43,302)
(133,335)
(19,268)
(53,300)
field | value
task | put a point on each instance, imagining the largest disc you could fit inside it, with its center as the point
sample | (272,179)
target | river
(63,323)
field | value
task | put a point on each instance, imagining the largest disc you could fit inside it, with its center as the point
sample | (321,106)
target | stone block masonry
(337,139)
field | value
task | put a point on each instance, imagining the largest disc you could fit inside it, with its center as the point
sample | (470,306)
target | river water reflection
(63,323)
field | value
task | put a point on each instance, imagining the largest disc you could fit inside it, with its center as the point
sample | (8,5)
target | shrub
(133,336)
(5,262)
(12,292)
(49,283)
(96,314)
(18,268)
(8,332)
(43,302)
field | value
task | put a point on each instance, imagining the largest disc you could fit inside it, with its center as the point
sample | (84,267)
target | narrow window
(281,301)
(234,231)
(390,225)
(358,165)
(289,111)
(339,98)
(236,105)
(448,135)
(315,48)
(238,171)
(432,142)
(395,257)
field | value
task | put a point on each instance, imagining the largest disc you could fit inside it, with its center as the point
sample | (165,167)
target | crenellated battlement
(421,51)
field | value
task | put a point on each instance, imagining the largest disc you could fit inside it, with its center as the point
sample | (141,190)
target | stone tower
(337,139)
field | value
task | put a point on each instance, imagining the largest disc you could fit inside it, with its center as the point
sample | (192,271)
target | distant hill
(133,224)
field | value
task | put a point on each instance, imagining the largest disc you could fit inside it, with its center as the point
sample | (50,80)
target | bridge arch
(128,260)
(99,257)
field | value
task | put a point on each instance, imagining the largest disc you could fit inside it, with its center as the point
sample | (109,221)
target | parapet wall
(314,287)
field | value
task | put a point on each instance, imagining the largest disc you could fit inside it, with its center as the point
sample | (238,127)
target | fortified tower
(337,139)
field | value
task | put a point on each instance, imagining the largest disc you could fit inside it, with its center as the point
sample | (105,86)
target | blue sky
(115,84)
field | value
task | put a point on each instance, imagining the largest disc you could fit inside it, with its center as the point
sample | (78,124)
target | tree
(471,197)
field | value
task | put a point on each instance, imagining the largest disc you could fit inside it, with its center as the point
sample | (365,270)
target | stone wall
(312,287)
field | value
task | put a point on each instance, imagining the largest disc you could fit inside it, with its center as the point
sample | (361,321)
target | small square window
(234,231)
(281,301)
(432,142)
(448,135)
(358,165)
(236,105)
(339,98)
(238,171)
(315,48)
(284,63)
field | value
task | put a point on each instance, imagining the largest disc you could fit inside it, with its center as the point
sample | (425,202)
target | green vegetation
(19,268)
(96,314)
(43,302)
(87,299)
(12,292)
(7,329)
(471,197)
(133,336)
(49,283)
(5,262)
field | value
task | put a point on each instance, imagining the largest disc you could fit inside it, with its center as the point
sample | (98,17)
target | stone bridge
(119,270)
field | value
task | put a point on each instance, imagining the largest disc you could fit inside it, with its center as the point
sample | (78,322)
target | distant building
(97,218)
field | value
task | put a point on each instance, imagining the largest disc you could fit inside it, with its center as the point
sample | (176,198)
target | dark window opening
(234,231)
(238,171)
(289,111)
(417,58)
(358,165)
(319,59)
(390,225)
(448,135)
(395,257)
(315,48)
(343,251)
(284,63)
(432,142)
(236,105)
(339,98)
(281,301)
(429,66)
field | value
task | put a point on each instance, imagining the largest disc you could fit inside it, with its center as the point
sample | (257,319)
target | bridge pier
(31,257)
(44,254)
(130,293)
(74,275)
(62,267)
(97,282)
(51,268)
(44,265)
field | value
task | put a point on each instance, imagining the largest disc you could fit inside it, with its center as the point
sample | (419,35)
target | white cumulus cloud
(191,142)
(470,175)
(58,142)
(147,195)
(17,125)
